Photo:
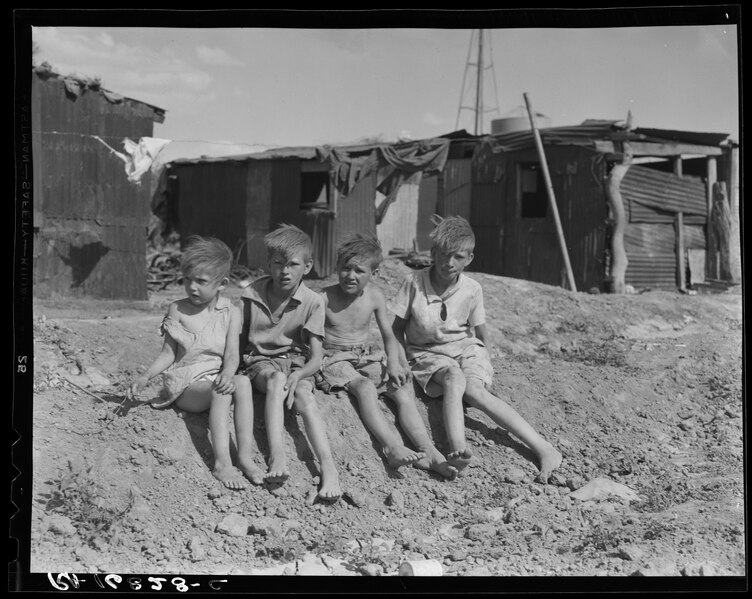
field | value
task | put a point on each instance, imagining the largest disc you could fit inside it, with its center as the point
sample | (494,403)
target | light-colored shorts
(344,363)
(473,360)
(284,363)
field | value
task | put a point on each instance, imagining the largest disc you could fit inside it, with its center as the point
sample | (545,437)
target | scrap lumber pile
(163,268)
(413,258)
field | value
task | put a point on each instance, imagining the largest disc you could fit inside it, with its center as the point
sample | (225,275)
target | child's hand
(136,386)
(290,386)
(224,383)
(399,374)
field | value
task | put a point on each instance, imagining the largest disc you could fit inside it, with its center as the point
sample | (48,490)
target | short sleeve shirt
(303,316)
(417,302)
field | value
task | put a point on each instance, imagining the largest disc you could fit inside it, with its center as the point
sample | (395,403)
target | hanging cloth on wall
(394,164)
(138,157)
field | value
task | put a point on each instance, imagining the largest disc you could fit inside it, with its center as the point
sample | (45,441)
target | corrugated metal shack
(328,192)
(89,219)
(671,177)
(239,199)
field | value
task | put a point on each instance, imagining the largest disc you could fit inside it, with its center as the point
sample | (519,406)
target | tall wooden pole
(551,197)
(680,264)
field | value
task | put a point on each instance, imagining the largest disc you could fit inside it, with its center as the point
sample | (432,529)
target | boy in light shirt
(440,318)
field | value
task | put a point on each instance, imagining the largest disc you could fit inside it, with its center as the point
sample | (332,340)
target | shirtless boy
(353,364)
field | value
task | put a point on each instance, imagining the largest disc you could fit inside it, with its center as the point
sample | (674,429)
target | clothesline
(200,141)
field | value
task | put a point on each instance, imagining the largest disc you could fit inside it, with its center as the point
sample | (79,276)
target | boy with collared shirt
(284,321)
(440,318)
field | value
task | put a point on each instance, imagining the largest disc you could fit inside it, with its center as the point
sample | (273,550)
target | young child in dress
(352,363)
(285,324)
(200,355)
(439,316)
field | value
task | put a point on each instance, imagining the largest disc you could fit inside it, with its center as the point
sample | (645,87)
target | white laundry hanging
(139,156)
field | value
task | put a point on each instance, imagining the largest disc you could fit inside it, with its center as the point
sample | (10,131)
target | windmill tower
(473,86)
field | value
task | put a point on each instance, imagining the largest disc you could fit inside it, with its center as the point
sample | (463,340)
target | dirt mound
(641,393)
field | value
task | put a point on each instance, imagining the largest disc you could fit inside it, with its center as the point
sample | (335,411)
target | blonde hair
(362,246)
(453,233)
(288,241)
(207,254)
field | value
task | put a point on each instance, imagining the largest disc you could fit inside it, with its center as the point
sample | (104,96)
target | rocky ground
(641,393)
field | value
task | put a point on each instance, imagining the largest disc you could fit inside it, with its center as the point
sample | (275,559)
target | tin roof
(76,85)
(592,130)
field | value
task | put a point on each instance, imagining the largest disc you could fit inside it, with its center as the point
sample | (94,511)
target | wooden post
(619,259)
(712,178)
(551,197)
(678,166)
(680,265)
(721,225)
(735,252)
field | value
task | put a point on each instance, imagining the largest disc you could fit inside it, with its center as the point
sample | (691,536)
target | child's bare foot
(277,472)
(437,462)
(460,459)
(230,477)
(251,471)
(550,460)
(329,489)
(401,456)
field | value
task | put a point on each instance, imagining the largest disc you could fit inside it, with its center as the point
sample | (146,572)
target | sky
(280,86)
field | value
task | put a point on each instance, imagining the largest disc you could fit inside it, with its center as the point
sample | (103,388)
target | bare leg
(453,383)
(273,386)
(305,403)
(197,398)
(394,449)
(505,415)
(412,423)
(243,398)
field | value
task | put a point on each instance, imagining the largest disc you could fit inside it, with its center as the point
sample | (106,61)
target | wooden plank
(680,249)
(710,181)
(643,148)
(696,259)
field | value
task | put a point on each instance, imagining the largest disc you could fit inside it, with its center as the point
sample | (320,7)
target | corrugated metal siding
(653,198)
(322,225)
(577,175)
(457,189)
(212,201)
(529,248)
(285,208)
(92,236)
(428,205)
(400,224)
(486,219)
(655,271)
(638,213)
(258,211)
(666,192)
(644,238)
(285,194)
(355,213)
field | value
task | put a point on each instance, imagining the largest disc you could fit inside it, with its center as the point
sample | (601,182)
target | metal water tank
(518,120)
